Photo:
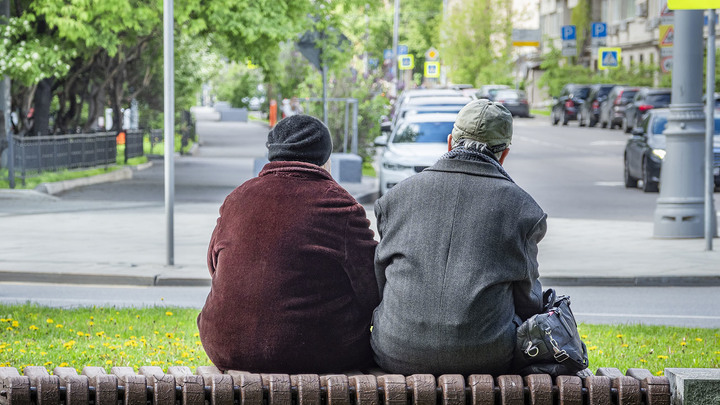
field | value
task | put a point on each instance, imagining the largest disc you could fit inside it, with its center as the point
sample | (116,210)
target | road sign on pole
(432,69)
(666,63)
(599,34)
(693,4)
(522,37)
(569,40)
(432,54)
(402,49)
(667,36)
(406,62)
(608,58)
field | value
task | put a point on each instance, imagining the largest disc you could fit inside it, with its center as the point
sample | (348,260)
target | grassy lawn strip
(545,112)
(49,177)
(107,337)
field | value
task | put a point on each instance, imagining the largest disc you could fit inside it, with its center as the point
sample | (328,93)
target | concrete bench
(179,386)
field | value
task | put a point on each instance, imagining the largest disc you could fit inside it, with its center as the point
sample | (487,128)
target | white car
(415,144)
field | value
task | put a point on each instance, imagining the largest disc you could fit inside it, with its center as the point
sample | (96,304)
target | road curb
(678,281)
(73,278)
(58,187)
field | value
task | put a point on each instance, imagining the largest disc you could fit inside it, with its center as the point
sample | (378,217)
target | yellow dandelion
(15,324)
(49,320)
(33,327)
(643,361)
(91,323)
(584,336)
(81,334)
(156,332)
(197,342)
(47,363)
(169,335)
(658,373)
(592,348)
(624,345)
(683,344)
(64,364)
(43,353)
(662,357)
(61,326)
(619,336)
(130,327)
(168,313)
(91,346)
(108,362)
(196,334)
(699,339)
(117,335)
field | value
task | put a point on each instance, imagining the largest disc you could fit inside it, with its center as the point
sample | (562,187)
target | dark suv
(645,100)
(612,110)
(568,103)
(589,113)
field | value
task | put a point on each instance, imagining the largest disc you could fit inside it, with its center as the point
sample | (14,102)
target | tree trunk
(41,114)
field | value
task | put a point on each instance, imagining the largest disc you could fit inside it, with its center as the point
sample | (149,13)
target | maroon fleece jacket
(293,282)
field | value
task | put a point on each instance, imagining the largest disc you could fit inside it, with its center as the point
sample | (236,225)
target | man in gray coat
(457,260)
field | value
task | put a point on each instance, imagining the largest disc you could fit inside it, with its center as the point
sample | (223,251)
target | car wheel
(554,118)
(649,186)
(565,119)
(592,122)
(630,182)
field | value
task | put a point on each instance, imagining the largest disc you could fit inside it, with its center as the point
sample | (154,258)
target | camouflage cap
(484,121)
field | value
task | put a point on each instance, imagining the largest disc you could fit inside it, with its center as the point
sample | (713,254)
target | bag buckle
(561,356)
(531,350)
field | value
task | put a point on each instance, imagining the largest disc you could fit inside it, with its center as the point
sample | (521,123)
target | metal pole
(394,67)
(710,227)
(679,211)
(354,146)
(6,107)
(169,81)
(324,94)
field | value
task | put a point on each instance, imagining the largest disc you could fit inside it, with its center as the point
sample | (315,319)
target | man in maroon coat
(291,261)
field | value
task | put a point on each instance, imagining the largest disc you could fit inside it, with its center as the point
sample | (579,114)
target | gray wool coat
(457,261)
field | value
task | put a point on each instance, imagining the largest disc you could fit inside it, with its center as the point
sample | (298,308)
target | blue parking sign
(387,54)
(568,32)
(599,30)
(402,49)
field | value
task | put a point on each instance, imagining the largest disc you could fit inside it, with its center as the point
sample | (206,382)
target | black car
(589,113)
(645,100)
(612,110)
(568,103)
(645,151)
(515,101)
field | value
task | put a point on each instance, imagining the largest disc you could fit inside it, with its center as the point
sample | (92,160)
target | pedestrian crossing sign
(608,58)
(432,69)
(406,62)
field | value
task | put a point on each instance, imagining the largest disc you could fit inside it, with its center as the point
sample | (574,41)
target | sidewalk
(120,239)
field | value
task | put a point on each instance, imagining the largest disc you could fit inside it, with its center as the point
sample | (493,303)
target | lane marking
(609,183)
(649,316)
(608,143)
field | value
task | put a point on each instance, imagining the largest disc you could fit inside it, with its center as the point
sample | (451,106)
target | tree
(476,41)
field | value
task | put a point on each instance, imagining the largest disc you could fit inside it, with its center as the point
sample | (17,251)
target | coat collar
(297,169)
(485,169)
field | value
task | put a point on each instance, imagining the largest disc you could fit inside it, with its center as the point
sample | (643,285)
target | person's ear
(449,142)
(503,155)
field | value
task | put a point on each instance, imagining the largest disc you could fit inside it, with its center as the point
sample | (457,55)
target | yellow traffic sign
(693,4)
(667,35)
(608,58)
(406,62)
(432,69)
(432,54)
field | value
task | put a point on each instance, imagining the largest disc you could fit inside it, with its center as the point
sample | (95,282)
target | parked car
(589,113)
(645,100)
(645,151)
(488,91)
(566,106)
(415,144)
(612,110)
(426,103)
(515,101)
(405,97)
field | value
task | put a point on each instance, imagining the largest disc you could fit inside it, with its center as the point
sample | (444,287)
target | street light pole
(6,107)
(169,103)
(680,208)
(396,23)
(710,227)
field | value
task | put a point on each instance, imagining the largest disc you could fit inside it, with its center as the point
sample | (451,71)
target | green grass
(545,112)
(159,148)
(107,337)
(49,177)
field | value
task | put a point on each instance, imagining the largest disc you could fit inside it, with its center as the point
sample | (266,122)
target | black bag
(549,342)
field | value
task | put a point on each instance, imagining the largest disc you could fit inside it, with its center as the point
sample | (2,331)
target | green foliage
(580,17)
(236,84)
(50,177)
(475,42)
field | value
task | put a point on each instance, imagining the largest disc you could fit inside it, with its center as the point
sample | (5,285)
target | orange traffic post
(273,113)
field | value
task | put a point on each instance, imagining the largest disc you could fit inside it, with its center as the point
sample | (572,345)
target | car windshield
(658,99)
(509,95)
(581,92)
(603,91)
(424,132)
(660,124)
(628,95)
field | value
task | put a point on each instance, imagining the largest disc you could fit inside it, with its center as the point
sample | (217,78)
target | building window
(652,58)
(627,9)
(640,59)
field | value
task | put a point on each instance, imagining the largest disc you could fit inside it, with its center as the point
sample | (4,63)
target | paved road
(577,172)
(671,306)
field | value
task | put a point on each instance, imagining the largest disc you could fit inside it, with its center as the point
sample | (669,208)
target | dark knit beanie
(300,138)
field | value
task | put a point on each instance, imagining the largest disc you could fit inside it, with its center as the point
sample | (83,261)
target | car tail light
(596,104)
(645,107)
(569,104)
(618,100)
(523,101)
(500,101)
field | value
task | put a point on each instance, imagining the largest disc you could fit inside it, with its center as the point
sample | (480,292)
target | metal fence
(134,144)
(35,154)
